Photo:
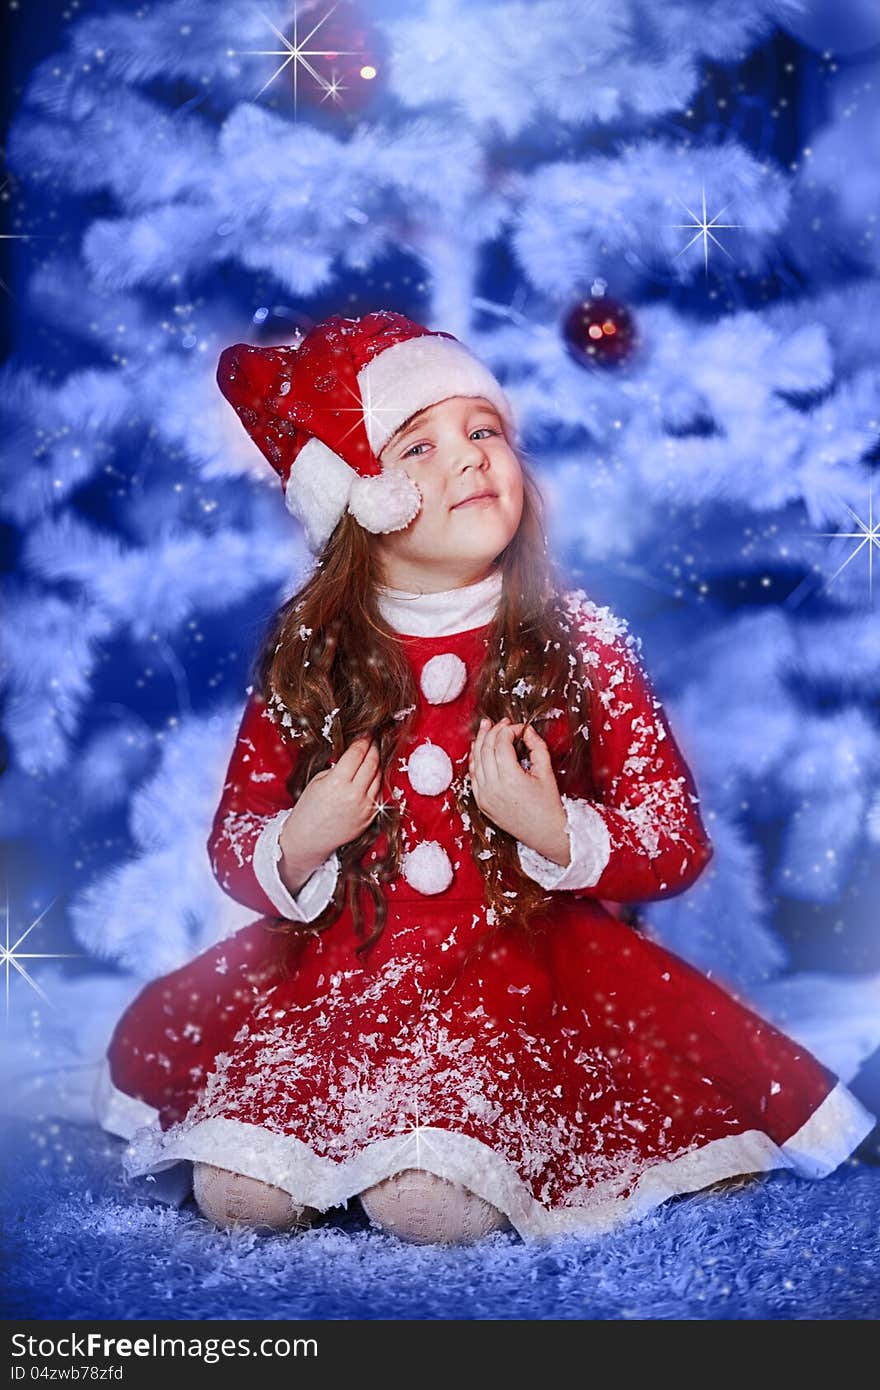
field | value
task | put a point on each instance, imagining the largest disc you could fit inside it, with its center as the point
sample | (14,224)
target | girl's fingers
(539,753)
(489,761)
(475,763)
(477,746)
(369,763)
(350,760)
(501,745)
(498,731)
(489,739)
(486,733)
(473,770)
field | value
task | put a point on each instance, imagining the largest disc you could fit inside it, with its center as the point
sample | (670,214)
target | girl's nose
(472,452)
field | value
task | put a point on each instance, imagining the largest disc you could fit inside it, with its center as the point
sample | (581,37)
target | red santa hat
(323,410)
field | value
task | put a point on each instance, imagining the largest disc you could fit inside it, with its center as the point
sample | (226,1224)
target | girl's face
(453,450)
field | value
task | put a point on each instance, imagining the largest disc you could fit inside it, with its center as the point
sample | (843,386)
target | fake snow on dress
(575,1078)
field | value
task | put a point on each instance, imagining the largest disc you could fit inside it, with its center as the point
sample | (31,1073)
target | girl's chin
(483,540)
(486,522)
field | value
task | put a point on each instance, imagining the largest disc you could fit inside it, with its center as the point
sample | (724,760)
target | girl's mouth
(479,497)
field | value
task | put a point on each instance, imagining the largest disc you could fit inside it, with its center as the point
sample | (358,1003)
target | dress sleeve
(641,838)
(244,844)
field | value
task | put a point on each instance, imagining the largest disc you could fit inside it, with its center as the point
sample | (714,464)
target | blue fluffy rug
(79,1243)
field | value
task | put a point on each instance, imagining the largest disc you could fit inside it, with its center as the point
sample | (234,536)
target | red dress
(576,1078)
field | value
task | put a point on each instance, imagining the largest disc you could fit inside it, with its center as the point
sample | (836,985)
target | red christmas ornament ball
(599,332)
(275,324)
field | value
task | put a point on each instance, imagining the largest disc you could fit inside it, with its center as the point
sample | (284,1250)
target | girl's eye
(483,429)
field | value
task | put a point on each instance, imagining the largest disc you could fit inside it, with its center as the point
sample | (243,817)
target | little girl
(447,767)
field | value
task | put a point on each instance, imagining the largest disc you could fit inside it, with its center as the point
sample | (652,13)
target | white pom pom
(429,769)
(443,678)
(385,501)
(427,868)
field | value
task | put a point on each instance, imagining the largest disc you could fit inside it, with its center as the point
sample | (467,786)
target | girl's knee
(419,1206)
(232,1199)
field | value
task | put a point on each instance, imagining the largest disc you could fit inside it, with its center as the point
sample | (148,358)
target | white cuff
(315,893)
(589,847)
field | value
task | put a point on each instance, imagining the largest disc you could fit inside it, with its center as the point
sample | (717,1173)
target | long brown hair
(331,669)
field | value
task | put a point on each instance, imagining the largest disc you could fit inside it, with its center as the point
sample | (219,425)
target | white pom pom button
(443,678)
(427,868)
(429,769)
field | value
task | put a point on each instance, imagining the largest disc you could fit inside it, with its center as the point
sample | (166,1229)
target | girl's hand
(526,804)
(335,806)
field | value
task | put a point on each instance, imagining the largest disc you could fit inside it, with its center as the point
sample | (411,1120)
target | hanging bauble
(344,58)
(279,323)
(599,331)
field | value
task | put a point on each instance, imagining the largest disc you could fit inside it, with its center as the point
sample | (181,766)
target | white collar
(444,613)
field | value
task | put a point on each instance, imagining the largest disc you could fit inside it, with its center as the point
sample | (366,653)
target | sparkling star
(334,87)
(421,1132)
(11,956)
(868,535)
(418,1129)
(372,411)
(299,55)
(367,411)
(704,230)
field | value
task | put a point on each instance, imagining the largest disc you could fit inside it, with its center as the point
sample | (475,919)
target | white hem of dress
(117,1112)
(822,1143)
(123,1115)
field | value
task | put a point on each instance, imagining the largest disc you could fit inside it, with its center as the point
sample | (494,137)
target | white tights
(231,1199)
(415,1205)
(418,1206)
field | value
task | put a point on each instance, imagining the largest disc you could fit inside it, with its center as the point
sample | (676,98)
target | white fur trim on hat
(417,373)
(317,491)
(321,485)
(385,501)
